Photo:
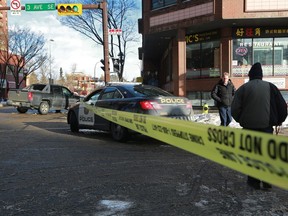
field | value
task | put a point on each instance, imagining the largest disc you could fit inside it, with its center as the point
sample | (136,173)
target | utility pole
(105,41)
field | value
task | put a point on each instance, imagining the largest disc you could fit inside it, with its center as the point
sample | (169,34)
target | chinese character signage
(260,32)
(202,37)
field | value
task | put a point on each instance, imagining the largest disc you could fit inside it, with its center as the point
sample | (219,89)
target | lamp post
(50,75)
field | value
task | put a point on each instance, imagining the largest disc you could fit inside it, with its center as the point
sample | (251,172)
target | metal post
(105,41)
(50,75)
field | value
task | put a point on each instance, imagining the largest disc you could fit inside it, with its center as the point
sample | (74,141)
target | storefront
(269,46)
(203,55)
(247,45)
(202,63)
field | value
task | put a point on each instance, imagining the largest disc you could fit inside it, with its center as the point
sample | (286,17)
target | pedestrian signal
(69,9)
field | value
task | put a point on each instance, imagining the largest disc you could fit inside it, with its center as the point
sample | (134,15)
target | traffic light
(116,65)
(103,63)
(69,9)
(61,72)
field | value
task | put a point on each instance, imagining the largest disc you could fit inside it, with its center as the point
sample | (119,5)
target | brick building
(7,79)
(188,43)
(3,49)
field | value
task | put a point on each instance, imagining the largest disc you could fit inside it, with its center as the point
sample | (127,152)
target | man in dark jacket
(258,105)
(223,93)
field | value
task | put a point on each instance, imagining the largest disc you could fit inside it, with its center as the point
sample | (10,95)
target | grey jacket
(258,104)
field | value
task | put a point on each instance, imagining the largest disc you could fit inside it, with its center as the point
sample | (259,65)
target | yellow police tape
(260,155)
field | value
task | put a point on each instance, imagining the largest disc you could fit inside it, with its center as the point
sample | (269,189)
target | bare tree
(33,78)
(120,14)
(25,53)
(44,73)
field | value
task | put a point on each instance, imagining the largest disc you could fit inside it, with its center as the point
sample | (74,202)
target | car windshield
(140,90)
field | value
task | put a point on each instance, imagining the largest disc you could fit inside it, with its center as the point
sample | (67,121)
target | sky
(69,46)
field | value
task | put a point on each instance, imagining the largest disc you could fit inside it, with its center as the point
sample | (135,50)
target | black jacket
(258,104)
(223,95)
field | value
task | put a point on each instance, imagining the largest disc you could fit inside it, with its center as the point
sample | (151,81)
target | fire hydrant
(205,108)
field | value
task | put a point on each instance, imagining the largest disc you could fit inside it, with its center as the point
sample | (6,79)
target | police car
(129,97)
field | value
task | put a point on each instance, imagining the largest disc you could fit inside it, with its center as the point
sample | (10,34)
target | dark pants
(251,180)
(225,115)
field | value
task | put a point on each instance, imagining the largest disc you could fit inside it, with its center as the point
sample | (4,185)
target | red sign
(115,31)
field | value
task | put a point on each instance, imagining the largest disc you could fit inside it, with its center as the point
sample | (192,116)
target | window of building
(203,60)
(272,53)
(280,56)
(198,98)
(156,4)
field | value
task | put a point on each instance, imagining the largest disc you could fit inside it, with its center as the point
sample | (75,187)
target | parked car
(129,97)
(43,97)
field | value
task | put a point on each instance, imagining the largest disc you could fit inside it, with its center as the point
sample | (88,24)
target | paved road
(47,170)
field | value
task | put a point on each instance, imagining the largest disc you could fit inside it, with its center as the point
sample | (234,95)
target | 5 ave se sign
(40,7)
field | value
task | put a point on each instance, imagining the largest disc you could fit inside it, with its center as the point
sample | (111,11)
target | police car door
(86,116)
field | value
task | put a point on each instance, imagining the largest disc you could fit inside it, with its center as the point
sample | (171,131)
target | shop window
(281,56)
(203,60)
(242,57)
(263,53)
(198,99)
(156,4)
(272,53)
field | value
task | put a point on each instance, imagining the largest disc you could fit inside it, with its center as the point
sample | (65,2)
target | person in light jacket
(258,105)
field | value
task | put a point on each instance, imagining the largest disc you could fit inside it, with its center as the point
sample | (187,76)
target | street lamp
(50,75)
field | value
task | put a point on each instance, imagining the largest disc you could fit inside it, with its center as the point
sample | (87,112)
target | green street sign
(40,7)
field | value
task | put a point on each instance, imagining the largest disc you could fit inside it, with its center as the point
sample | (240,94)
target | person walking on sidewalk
(223,93)
(258,105)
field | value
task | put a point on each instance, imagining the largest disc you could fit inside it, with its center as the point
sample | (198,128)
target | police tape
(257,154)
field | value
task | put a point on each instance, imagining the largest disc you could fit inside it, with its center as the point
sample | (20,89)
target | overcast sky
(70,47)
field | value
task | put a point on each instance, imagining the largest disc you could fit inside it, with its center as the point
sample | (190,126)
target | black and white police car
(129,97)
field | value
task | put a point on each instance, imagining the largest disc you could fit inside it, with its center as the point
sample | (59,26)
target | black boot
(254,183)
(266,185)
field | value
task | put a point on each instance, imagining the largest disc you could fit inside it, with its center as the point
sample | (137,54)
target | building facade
(187,44)
(3,49)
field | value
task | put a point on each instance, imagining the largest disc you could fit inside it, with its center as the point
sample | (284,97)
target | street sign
(40,7)
(15,7)
(115,31)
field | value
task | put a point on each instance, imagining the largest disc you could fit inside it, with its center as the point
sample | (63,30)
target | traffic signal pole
(105,41)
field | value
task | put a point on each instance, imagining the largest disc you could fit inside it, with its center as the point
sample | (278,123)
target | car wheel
(119,133)
(22,110)
(74,125)
(44,108)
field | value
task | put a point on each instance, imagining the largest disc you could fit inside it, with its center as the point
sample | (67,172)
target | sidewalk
(284,131)
(214,119)
(3,103)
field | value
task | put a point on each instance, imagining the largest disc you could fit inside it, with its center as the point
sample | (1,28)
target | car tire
(74,125)
(119,133)
(44,108)
(22,109)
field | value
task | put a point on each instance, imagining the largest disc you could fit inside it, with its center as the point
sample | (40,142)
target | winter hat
(256,71)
